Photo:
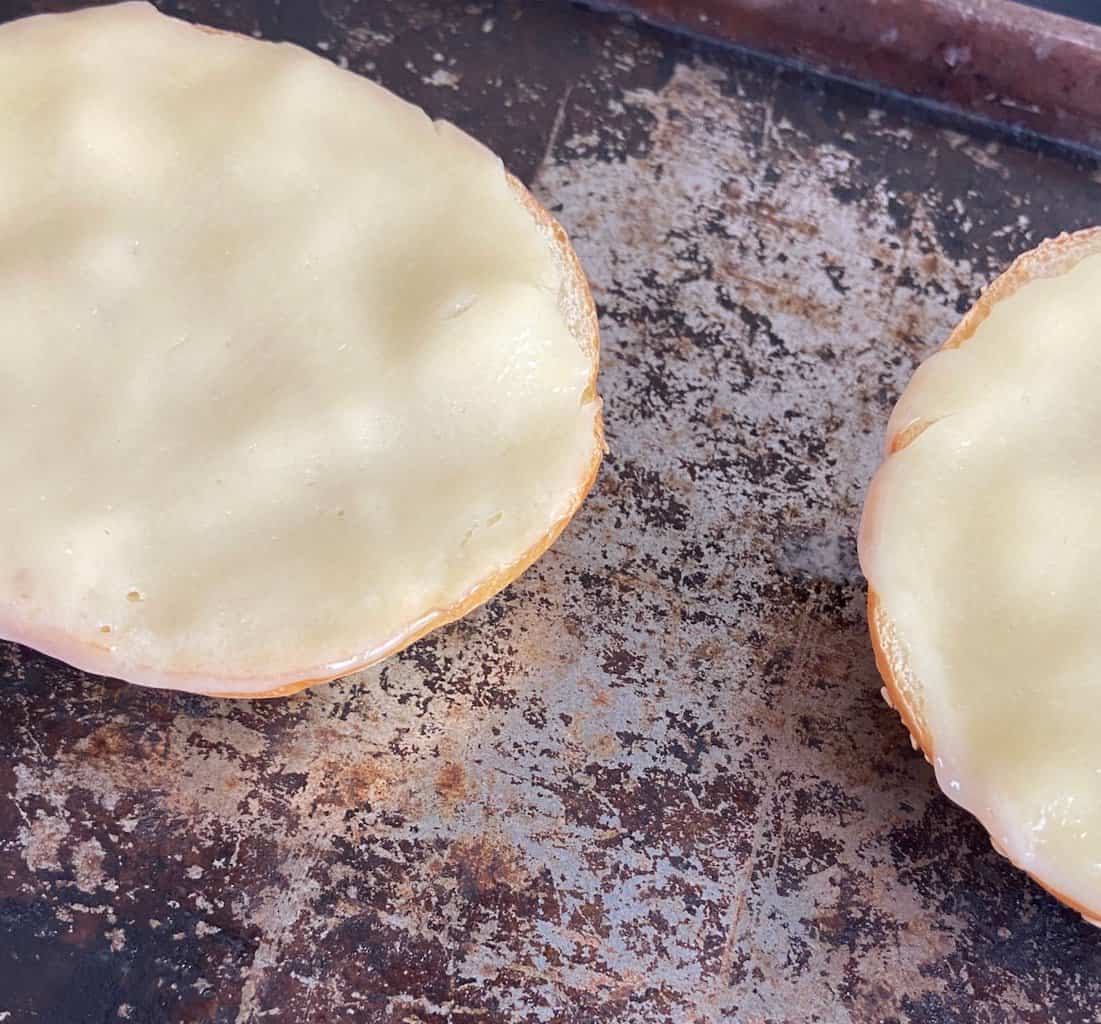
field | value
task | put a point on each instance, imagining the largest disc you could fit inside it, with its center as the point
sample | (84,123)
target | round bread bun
(1031,335)
(297,374)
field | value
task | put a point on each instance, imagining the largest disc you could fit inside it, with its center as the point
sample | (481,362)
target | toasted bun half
(302,375)
(990,662)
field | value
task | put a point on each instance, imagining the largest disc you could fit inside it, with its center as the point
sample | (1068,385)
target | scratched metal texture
(653,781)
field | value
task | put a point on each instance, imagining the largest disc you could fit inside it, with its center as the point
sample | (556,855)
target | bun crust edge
(1050,258)
(580,311)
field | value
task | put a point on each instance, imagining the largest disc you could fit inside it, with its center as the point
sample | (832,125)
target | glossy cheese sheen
(982,541)
(284,363)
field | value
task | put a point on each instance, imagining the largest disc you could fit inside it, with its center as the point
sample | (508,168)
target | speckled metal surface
(653,781)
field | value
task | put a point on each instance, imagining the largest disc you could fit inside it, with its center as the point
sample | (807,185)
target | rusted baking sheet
(653,782)
(1002,60)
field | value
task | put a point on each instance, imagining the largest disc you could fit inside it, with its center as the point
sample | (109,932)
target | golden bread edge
(1050,258)
(578,286)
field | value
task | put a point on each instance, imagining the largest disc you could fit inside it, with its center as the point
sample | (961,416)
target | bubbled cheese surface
(286,368)
(982,542)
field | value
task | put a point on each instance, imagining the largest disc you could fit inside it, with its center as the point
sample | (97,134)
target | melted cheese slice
(288,371)
(982,540)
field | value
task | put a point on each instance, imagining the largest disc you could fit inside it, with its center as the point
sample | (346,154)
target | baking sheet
(653,781)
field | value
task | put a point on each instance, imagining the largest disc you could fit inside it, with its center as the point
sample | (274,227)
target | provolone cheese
(982,544)
(289,372)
